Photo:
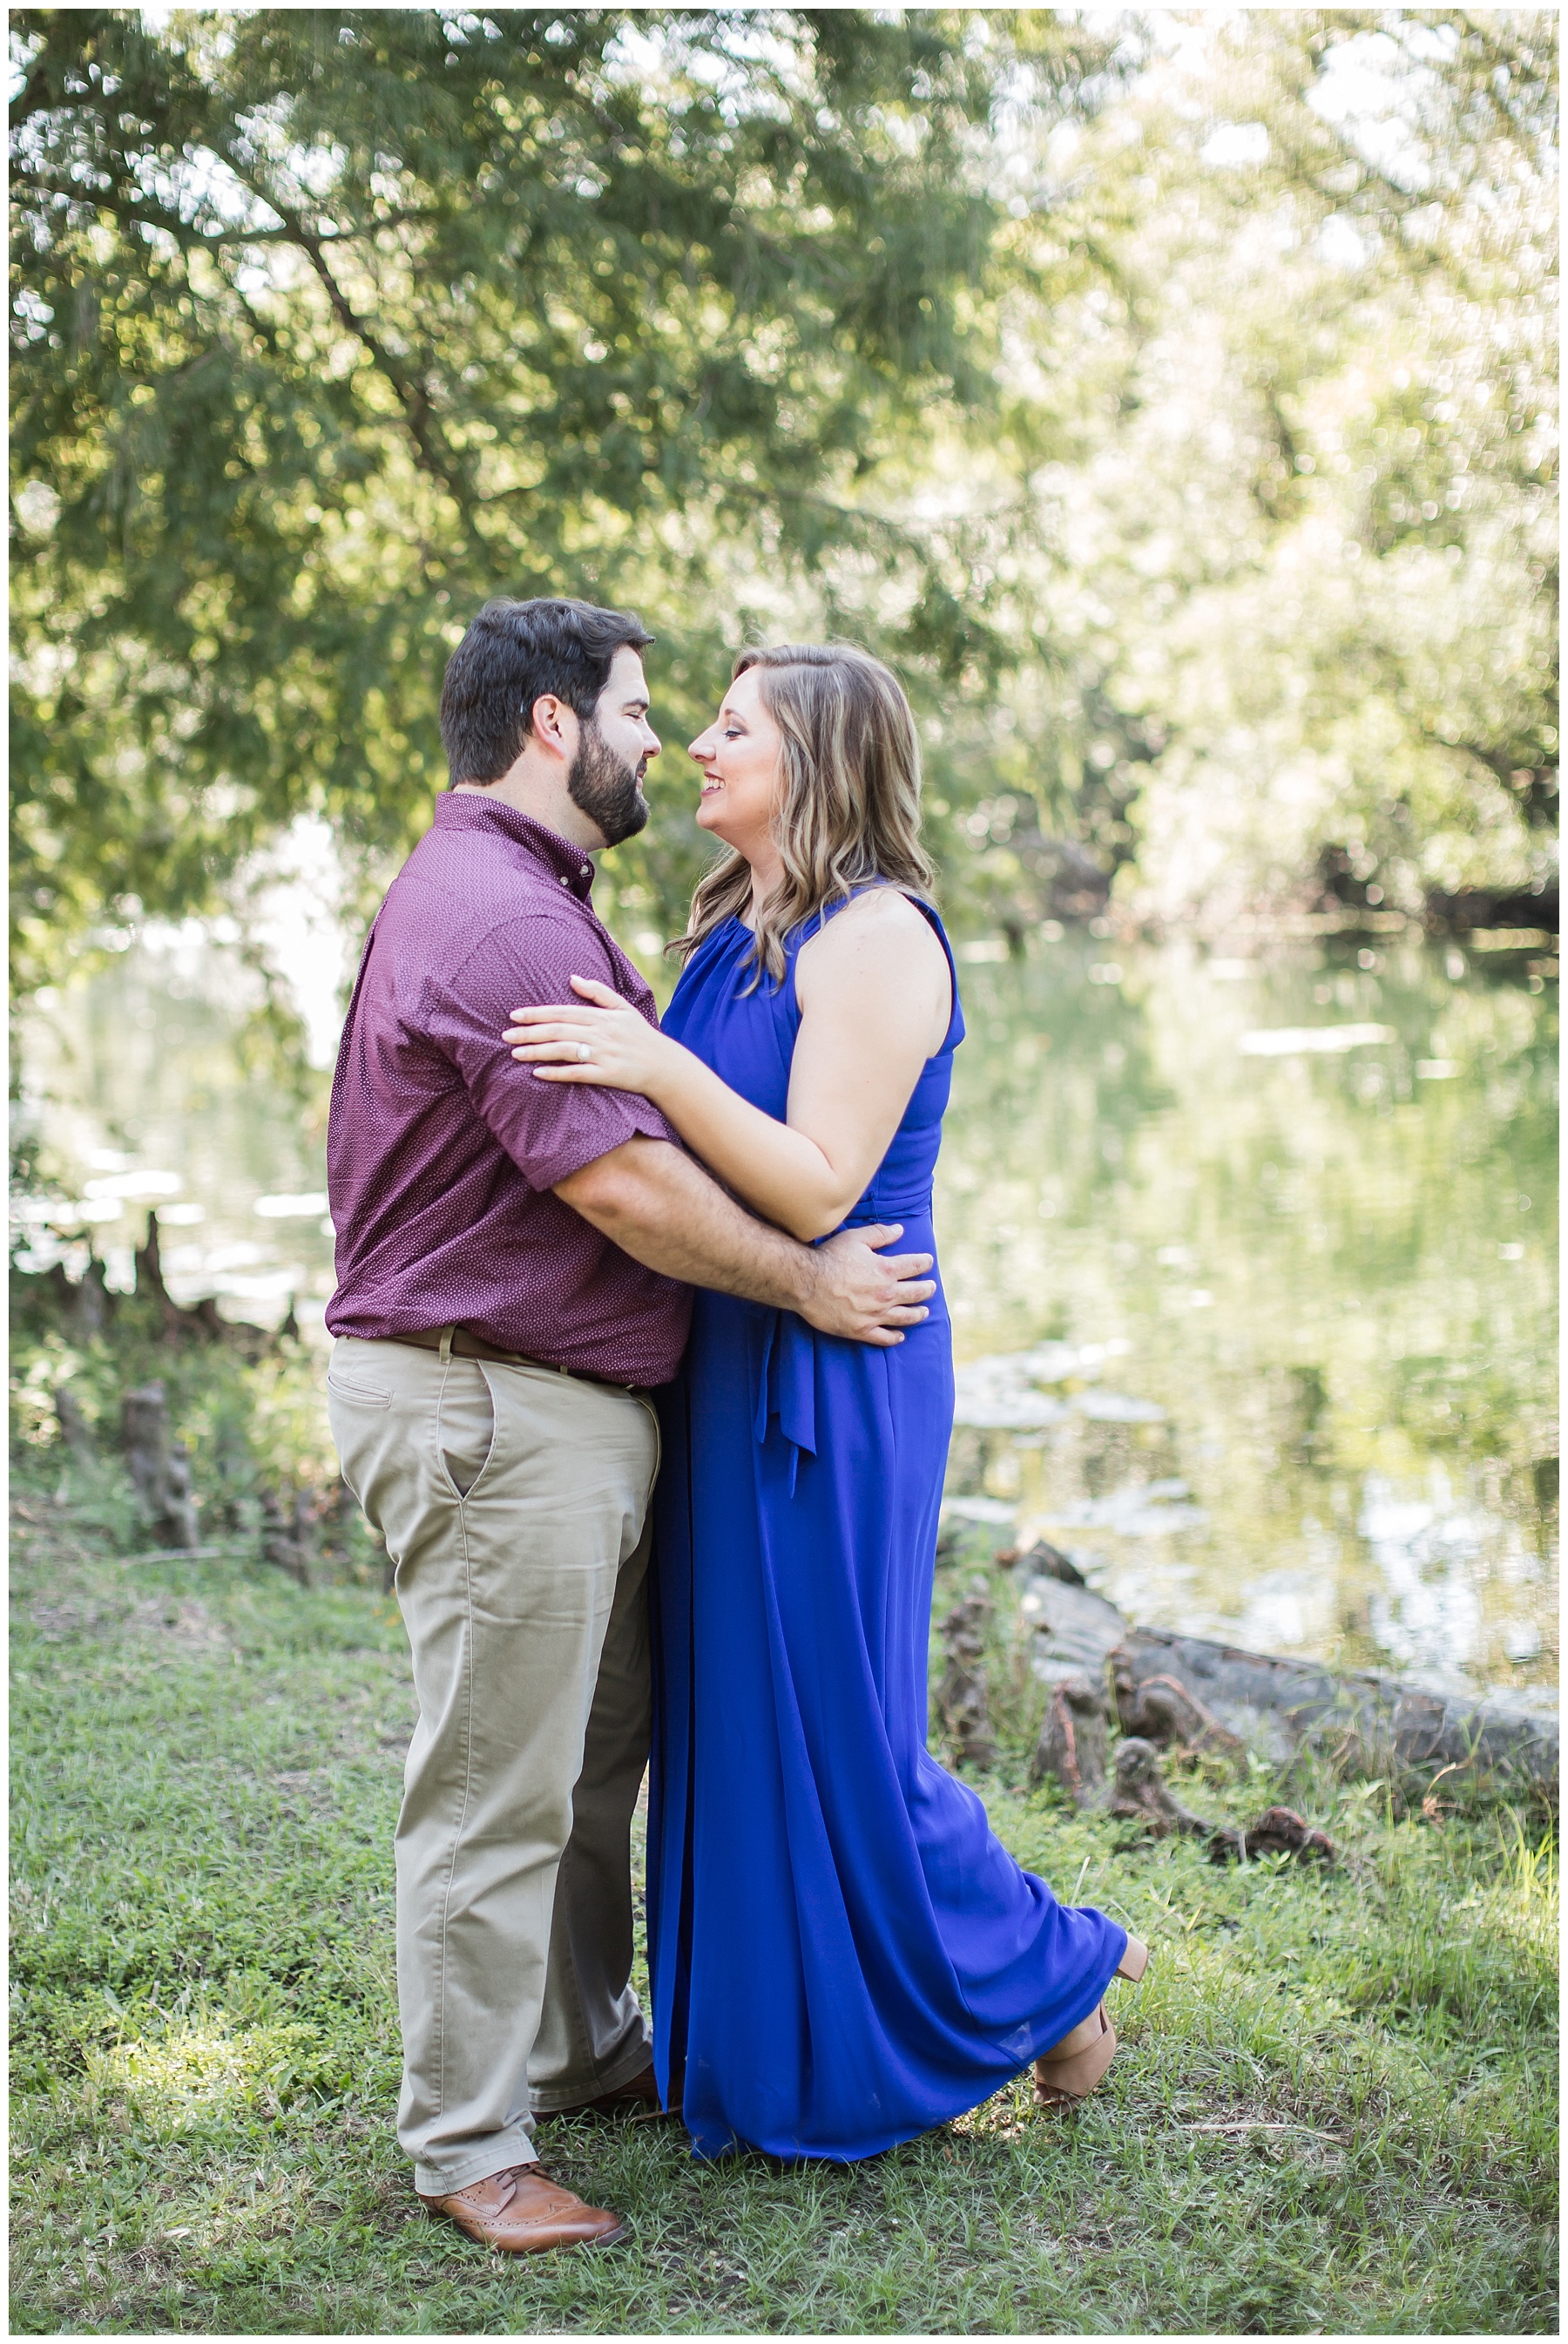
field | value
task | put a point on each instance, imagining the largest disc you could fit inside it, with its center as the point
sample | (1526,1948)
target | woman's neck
(767,878)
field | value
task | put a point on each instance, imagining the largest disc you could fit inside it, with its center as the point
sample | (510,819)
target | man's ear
(554,725)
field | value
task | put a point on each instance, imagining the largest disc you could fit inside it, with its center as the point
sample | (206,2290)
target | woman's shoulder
(882,958)
(884,911)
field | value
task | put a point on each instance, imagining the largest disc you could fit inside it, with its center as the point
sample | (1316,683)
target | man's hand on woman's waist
(864,1292)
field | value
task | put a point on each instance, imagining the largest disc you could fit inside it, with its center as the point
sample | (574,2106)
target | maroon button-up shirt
(442,1151)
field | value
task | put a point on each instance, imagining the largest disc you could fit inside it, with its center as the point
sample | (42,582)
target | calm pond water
(1252,1264)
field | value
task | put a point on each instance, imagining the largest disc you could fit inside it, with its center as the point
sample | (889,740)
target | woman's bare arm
(876,1000)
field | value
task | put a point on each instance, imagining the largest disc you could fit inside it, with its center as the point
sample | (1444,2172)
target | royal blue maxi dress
(842,1954)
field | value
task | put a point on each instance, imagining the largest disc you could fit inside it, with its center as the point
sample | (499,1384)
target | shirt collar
(566,864)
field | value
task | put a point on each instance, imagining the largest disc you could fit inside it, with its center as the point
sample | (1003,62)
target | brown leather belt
(464,1346)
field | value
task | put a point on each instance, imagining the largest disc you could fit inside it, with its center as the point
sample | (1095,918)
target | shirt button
(563,878)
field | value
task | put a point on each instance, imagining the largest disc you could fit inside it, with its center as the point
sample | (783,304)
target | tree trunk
(159,1468)
(74,1431)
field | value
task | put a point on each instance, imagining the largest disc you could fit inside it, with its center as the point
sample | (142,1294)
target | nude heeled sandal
(1065,2074)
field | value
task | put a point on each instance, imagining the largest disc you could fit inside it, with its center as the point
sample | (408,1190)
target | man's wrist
(807,1274)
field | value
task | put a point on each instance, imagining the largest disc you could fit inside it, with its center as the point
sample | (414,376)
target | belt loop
(447,1335)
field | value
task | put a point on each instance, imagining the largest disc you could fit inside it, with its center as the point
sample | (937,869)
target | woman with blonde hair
(842,1954)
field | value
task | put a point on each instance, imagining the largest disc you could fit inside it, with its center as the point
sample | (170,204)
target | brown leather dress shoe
(637,2097)
(523,2212)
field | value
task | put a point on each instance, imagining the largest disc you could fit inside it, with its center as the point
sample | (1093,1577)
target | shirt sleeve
(549,1129)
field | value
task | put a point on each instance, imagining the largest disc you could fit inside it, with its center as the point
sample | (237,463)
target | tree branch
(419,415)
(192,236)
(1536,796)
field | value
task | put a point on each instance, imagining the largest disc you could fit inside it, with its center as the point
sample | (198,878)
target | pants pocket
(465,1426)
(657,1439)
(356,1395)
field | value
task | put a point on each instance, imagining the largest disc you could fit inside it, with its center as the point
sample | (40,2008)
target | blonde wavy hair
(849,809)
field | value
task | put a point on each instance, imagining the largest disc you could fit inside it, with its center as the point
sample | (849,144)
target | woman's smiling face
(739,756)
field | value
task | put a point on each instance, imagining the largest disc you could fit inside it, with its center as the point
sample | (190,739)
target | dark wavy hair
(511,654)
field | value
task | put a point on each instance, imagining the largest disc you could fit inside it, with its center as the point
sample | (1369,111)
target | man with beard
(514,1266)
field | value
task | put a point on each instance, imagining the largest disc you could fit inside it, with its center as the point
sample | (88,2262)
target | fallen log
(1368,1722)
(1075,1630)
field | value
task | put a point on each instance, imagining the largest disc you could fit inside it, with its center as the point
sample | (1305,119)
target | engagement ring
(584,1054)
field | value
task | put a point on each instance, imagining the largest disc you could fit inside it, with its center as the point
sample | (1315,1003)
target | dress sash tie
(784,1378)
(785,1386)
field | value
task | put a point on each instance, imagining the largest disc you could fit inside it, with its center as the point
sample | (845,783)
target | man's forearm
(665,1211)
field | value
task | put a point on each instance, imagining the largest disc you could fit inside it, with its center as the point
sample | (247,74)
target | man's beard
(605,788)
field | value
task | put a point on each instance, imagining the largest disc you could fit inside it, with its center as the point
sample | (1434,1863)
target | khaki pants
(514,1505)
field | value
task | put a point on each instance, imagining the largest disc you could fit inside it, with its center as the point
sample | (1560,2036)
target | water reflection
(150,1086)
(1251,1265)
(1302,1211)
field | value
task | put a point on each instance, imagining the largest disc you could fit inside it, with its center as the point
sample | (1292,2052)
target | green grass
(1334,2108)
